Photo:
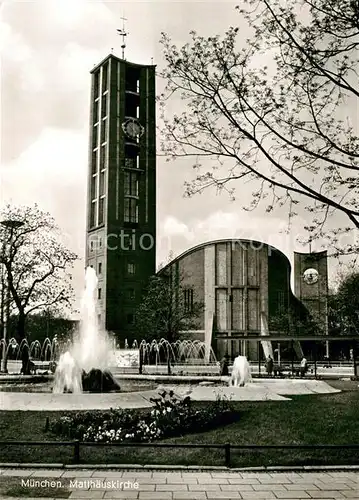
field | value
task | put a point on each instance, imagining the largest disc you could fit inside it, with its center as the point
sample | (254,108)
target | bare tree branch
(281,123)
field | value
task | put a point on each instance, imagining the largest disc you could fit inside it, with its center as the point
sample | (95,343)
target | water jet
(85,365)
(241,372)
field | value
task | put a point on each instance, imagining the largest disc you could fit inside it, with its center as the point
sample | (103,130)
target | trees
(297,320)
(343,312)
(166,311)
(37,263)
(44,324)
(275,110)
(345,305)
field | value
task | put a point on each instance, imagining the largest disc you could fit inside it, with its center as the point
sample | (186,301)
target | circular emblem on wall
(132,128)
(311,276)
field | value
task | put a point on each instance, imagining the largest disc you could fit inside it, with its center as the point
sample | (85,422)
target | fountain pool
(259,390)
(91,354)
(46,387)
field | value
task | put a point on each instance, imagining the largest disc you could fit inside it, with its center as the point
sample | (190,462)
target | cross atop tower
(123,33)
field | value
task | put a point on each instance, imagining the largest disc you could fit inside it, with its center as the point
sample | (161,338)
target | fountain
(84,366)
(68,375)
(15,352)
(179,352)
(241,372)
(175,358)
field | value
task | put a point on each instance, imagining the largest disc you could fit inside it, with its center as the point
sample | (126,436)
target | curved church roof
(256,244)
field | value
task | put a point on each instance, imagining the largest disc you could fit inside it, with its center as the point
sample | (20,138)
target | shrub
(169,417)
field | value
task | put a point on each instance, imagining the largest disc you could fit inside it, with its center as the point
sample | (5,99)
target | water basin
(46,387)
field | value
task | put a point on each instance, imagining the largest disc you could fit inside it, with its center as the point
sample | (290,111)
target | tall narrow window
(99,294)
(132,80)
(95,136)
(95,111)
(93,214)
(94,161)
(131,210)
(102,183)
(131,184)
(131,268)
(104,77)
(96,78)
(100,268)
(94,187)
(131,107)
(103,158)
(188,299)
(104,106)
(104,131)
(101,210)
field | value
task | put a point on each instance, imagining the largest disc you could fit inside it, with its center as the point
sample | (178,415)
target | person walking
(269,365)
(224,366)
(303,366)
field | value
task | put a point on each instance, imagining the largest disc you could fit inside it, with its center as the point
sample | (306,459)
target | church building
(243,285)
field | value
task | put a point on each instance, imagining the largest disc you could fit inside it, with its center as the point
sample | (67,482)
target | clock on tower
(132,128)
(311,276)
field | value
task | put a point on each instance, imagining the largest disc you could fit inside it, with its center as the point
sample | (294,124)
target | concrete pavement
(257,390)
(183,484)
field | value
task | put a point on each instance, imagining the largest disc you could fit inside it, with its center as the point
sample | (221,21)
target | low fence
(226,448)
(315,369)
(182,369)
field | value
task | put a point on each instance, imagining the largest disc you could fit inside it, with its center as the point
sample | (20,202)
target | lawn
(314,419)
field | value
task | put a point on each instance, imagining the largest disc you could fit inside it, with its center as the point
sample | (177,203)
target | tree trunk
(21,326)
(25,355)
(25,359)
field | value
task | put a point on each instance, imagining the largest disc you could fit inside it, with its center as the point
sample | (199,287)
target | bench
(288,369)
(280,370)
(300,371)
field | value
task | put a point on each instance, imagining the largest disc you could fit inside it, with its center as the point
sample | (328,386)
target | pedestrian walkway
(180,485)
(258,390)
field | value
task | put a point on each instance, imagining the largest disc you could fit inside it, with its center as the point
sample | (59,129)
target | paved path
(258,390)
(225,485)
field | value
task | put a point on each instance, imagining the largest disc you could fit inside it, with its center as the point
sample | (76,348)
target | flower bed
(169,417)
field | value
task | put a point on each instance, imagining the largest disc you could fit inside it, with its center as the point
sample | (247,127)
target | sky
(47,51)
